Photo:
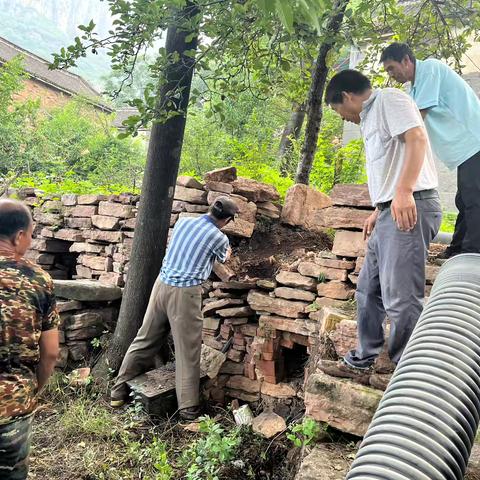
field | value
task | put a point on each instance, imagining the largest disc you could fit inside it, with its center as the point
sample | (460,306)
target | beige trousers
(178,309)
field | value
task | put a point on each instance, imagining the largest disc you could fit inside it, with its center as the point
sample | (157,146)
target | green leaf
(284,11)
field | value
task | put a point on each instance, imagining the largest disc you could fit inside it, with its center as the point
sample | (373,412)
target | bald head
(15,217)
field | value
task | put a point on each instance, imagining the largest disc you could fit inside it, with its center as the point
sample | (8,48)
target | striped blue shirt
(195,245)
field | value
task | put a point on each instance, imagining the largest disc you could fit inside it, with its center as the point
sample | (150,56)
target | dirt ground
(332,462)
(77,436)
(273,246)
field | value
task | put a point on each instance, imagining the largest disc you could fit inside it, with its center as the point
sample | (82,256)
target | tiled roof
(122,114)
(62,80)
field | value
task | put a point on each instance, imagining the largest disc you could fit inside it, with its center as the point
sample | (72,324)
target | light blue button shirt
(453,119)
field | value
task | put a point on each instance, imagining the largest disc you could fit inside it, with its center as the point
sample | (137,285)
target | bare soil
(274,246)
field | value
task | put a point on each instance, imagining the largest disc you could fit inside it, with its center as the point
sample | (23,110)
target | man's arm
(404,210)
(48,356)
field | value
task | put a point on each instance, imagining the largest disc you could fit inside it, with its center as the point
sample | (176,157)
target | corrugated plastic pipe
(426,422)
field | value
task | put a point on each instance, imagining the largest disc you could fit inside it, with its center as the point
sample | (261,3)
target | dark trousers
(466,238)
(15,448)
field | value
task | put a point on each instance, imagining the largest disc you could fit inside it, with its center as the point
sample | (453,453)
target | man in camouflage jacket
(28,337)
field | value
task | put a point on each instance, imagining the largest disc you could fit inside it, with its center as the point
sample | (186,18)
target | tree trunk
(163,159)
(315,95)
(292,130)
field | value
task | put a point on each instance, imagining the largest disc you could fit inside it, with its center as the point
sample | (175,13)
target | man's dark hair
(397,52)
(14,216)
(350,81)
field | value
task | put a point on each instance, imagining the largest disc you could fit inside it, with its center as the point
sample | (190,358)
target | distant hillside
(44,26)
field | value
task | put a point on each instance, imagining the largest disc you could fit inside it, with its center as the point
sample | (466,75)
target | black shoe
(448,253)
(190,413)
(343,370)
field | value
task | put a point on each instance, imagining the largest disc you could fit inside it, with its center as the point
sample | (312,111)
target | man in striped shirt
(176,304)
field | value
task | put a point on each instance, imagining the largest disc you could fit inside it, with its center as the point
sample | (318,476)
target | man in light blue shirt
(451,111)
(176,304)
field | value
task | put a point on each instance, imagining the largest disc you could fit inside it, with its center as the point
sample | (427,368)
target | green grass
(448,222)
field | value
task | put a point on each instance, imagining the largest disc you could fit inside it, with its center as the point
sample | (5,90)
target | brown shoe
(341,369)
(190,413)
(380,381)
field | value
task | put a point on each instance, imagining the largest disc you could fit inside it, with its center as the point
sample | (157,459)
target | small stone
(343,404)
(280,390)
(236,312)
(336,290)
(68,305)
(267,284)
(351,195)
(50,245)
(211,361)
(223,272)
(294,294)
(97,263)
(219,187)
(211,323)
(262,302)
(69,235)
(86,291)
(296,280)
(189,182)
(84,211)
(78,222)
(301,203)
(212,307)
(112,209)
(80,377)
(90,199)
(349,244)
(190,195)
(51,219)
(239,228)
(298,326)
(239,382)
(342,218)
(104,236)
(225,175)
(255,191)
(104,222)
(311,269)
(69,199)
(196,208)
(235,285)
(231,368)
(268,424)
(112,278)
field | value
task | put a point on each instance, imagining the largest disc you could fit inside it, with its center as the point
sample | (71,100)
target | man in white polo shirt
(402,182)
(451,110)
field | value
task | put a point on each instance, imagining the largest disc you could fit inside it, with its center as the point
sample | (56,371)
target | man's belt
(421,195)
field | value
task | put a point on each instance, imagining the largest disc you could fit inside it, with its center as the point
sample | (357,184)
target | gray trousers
(178,309)
(392,283)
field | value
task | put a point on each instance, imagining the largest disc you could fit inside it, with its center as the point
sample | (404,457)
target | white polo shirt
(386,115)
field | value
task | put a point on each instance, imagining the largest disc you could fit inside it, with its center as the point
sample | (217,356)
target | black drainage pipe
(425,425)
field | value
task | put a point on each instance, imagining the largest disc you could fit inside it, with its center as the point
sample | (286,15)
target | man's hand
(404,210)
(229,254)
(369,224)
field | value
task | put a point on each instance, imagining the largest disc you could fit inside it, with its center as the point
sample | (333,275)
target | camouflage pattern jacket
(27,307)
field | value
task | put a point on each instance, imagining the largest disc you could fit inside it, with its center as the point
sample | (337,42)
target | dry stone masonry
(270,332)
